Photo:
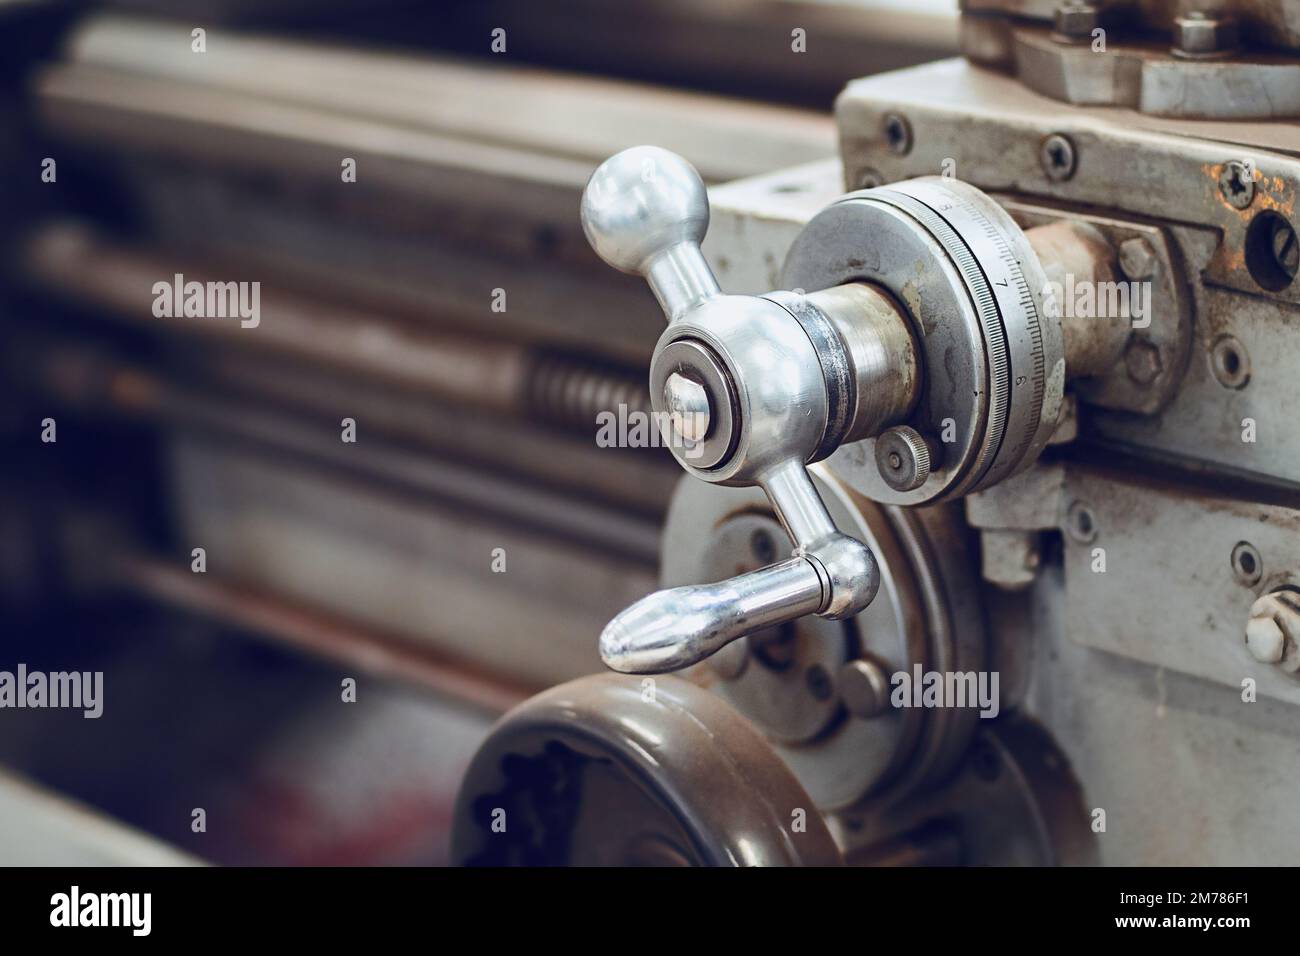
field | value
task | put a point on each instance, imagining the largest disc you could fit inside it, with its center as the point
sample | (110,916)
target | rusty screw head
(1273,631)
(1074,22)
(1137,259)
(1237,184)
(1199,35)
(1142,361)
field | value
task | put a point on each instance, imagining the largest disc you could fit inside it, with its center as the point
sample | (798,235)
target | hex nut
(1074,22)
(1199,35)
(1142,361)
(1137,259)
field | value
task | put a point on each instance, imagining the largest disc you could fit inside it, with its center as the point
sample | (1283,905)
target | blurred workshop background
(324,559)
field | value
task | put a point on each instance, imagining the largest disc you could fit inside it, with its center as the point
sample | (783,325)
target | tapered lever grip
(830,574)
(681,626)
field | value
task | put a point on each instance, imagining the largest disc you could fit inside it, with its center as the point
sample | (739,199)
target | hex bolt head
(903,458)
(1273,631)
(1199,35)
(1237,184)
(864,688)
(687,403)
(1137,259)
(1142,361)
(1074,22)
(1058,157)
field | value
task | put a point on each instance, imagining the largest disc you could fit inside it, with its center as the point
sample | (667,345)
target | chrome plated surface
(646,211)
(672,629)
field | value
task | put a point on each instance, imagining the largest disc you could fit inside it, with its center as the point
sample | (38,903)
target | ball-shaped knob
(640,202)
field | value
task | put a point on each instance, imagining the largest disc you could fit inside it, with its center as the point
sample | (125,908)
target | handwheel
(613,770)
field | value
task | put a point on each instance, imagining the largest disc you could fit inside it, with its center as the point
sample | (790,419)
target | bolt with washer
(1137,259)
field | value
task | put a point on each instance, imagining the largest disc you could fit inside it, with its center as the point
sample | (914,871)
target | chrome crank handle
(646,212)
